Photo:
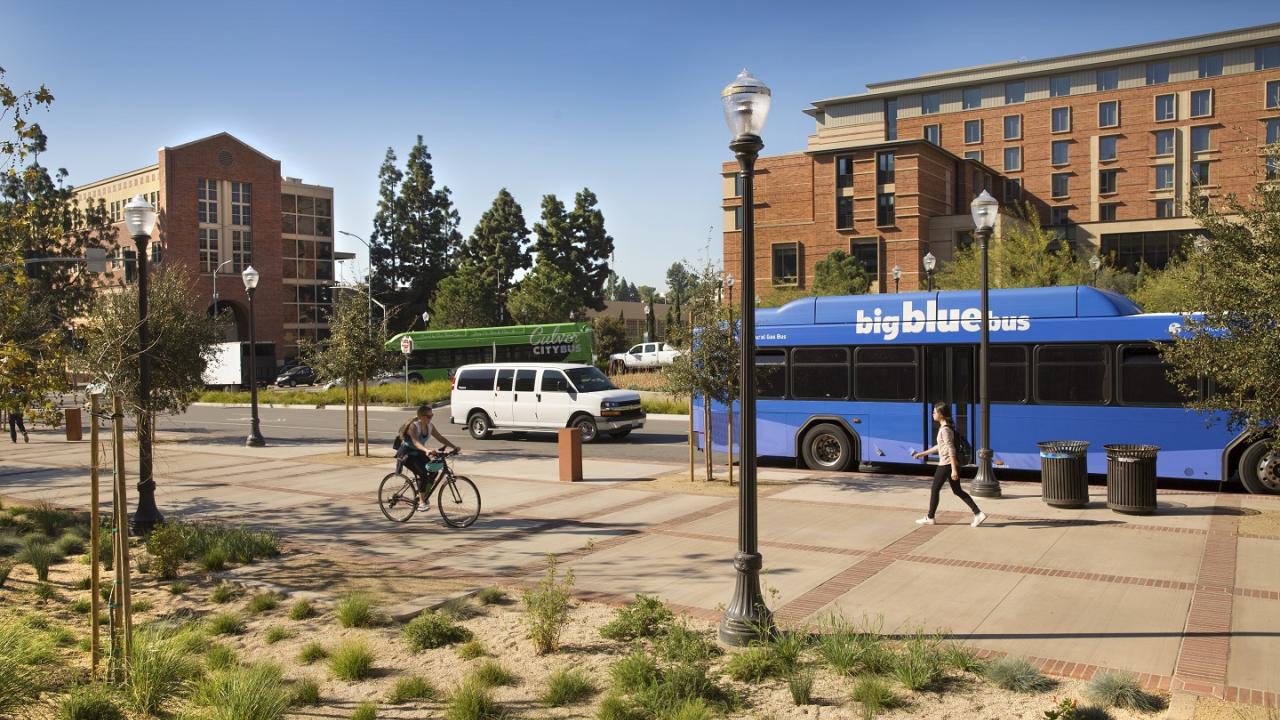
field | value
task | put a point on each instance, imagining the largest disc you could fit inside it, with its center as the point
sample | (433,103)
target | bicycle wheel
(459,502)
(397,497)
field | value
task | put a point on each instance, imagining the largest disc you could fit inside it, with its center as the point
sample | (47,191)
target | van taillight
(453,381)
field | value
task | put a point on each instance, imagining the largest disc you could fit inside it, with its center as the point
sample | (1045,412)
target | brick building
(1109,147)
(223,204)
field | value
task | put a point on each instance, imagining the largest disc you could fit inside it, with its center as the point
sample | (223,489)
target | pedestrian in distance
(948,467)
(15,425)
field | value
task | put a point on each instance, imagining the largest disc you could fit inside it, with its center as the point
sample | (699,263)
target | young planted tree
(840,274)
(354,352)
(498,247)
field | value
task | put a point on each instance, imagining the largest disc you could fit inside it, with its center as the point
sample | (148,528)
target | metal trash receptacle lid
(1131,452)
(1062,449)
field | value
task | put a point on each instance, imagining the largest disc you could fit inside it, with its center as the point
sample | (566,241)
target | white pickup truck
(645,356)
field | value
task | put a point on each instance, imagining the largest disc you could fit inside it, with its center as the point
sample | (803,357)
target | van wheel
(1260,469)
(826,447)
(478,424)
(588,428)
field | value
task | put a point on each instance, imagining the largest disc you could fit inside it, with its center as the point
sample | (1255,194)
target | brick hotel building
(1105,145)
(221,200)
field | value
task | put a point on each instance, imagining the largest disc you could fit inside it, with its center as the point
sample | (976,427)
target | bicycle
(457,497)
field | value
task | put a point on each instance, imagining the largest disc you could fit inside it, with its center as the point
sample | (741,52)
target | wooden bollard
(570,455)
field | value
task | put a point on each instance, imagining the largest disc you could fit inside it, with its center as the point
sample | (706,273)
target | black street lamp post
(897,277)
(140,218)
(255,439)
(930,262)
(746,106)
(984,209)
(1095,264)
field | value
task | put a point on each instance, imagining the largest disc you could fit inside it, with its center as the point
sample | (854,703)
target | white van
(542,396)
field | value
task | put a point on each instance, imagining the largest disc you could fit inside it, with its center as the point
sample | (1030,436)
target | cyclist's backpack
(395,444)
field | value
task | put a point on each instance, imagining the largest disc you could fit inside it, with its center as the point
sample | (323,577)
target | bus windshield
(589,379)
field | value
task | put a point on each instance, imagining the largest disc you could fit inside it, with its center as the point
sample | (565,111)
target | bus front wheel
(1260,469)
(826,447)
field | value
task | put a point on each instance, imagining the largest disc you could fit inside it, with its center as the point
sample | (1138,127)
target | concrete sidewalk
(1188,598)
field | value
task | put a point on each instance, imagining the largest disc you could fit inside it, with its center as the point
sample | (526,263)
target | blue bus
(848,380)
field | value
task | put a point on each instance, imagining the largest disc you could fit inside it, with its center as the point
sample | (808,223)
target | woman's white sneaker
(925,521)
(978,519)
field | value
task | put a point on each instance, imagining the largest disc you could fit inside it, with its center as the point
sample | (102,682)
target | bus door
(502,397)
(950,378)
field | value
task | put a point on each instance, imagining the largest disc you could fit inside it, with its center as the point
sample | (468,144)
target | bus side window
(886,373)
(820,373)
(1071,374)
(1008,373)
(1144,378)
(771,374)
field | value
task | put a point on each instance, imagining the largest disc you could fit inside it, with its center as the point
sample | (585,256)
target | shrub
(275,634)
(214,559)
(685,688)
(47,518)
(167,546)
(411,688)
(301,610)
(220,657)
(351,661)
(471,701)
(81,606)
(140,605)
(158,668)
(1019,675)
(695,709)
(566,687)
(365,711)
(644,617)
(311,652)
(305,692)
(491,596)
(457,608)
(89,702)
(179,587)
(71,543)
(919,663)
(1117,689)
(491,673)
(787,649)
(83,583)
(255,692)
(263,602)
(224,592)
(358,610)
(615,707)
(800,685)
(62,637)
(432,630)
(37,553)
(471,649)
(45,592)
(680,644)
(874,695)
(633,672)
(840,652)
(226,624)
(752,664)
(106,555)
(547,608)
(6,568)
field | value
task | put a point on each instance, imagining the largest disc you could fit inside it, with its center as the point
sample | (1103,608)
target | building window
(973,155)
(1108,79)
(972,131)
(1107,182)
(1107,212)
(208,249)
(884,168)
(1199,173)
(786,264)
(1158,72)
(1012,159)
(1015,92)
(844,171)
(868,256)
(929,103)
(1166,107)
(1060,86)
(1164,142)
(1109,113)
(240,204)
(891,119)
(844,213)
(1012,189)
(1211,65)
(1200,138)
(737,218)
(1107,148)
(1060,215)
(1273,131)
(1061,185)
(207,208)
(972,98)
(241,250)
(1273,167)
(1164,177)
(933,133)
(1273,95)
(737,184)
(1153,249)
(1266,57)
(1012,127)
(1164,208)
(1061,120)
(885,212)
(1201,103)
(1060,152)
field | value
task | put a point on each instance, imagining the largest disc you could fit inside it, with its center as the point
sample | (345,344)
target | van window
(475,380)
(554,381)
(504,380)
(525,380)
(589,379)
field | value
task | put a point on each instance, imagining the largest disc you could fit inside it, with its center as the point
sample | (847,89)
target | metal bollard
(570,455)
(72,417)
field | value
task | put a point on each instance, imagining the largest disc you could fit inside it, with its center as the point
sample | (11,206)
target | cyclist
(414,436)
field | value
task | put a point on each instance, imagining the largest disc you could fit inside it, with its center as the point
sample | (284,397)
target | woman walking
(948,467)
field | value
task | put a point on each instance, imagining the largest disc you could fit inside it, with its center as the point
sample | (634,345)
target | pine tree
(544,296)
(429,238)
(498,247)
(465,299)
(554,236)
(592,246)
(384,258)
(840,274)
(679,283)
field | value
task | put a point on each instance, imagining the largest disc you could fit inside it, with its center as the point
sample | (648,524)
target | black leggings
(15,425)
(943,475)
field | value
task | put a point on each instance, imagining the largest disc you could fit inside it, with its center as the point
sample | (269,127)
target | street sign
(406,345)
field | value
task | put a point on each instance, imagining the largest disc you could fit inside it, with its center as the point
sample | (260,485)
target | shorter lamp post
(250,277)
(1202,248)
(897,277)
(984,209)
(140,218)
(215,286)
(1095,262)
(930,262)
(728,286)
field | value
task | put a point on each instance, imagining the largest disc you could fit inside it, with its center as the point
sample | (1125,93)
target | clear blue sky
(540,97)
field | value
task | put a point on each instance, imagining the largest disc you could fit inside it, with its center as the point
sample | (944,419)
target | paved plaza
(1189,598)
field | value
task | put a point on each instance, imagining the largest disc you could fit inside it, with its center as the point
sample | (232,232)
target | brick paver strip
(1201,666)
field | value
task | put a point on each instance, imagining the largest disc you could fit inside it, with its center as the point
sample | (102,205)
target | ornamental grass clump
(226,624)
(644,617)
(633,672)
(312,652)
(919,662)
(305,692)
(1019,675)
(70,543)
(751,664)
(546,608)
(39,555)
(430,630)
(159,668)
(682,644)
(365,711)
(224,592)
(472,701)
(352,660)
(411,688)
(254,692)
(276,633)
(220,657)
(491,674)
(1121,690)
(961,659)
(472,649)
(491,596)
(89,702)
(800,685)
(874,695)
(567,687)
(301,610)
(263,602)
(358,610)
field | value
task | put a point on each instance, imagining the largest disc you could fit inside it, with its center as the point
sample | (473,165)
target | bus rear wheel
(1260,469)
(826,447)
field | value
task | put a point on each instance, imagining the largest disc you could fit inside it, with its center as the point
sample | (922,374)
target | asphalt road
(658,440)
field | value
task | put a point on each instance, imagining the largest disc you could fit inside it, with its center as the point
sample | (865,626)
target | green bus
(436,353)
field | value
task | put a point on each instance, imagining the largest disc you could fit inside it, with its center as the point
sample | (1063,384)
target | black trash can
(1131,478)
(1064,473)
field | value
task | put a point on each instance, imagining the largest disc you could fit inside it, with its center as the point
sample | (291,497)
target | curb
(274,406)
